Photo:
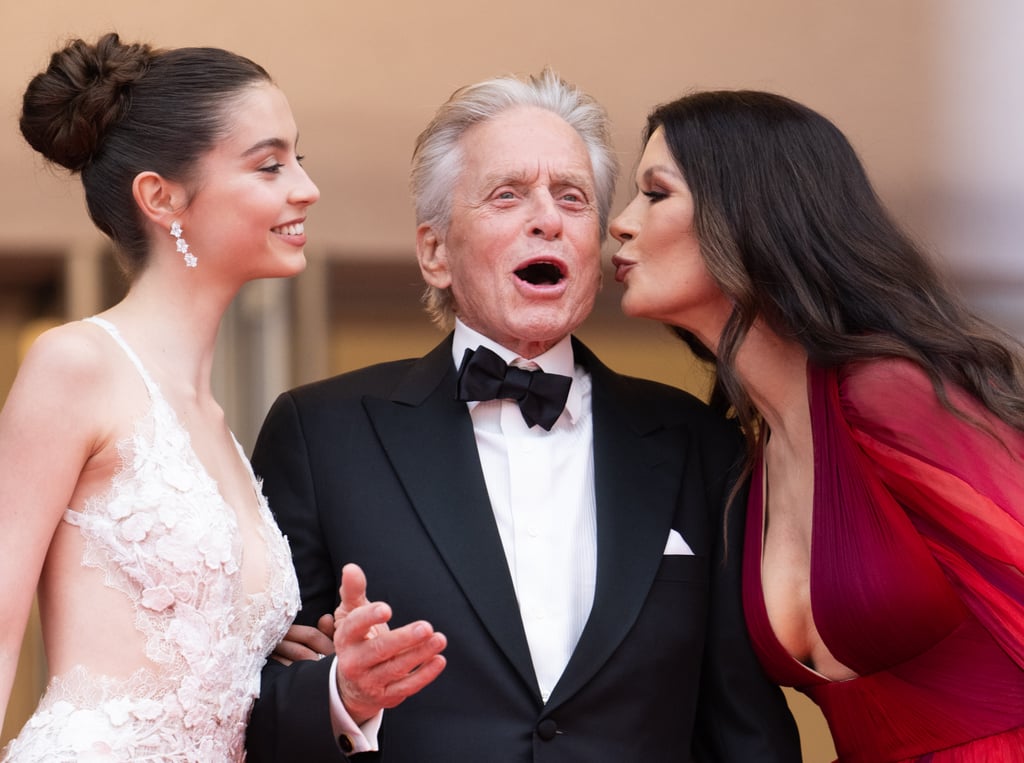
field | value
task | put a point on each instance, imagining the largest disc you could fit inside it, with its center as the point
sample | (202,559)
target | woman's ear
(161,200)
(432,255)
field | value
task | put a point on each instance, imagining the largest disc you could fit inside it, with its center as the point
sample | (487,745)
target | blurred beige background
(929,91)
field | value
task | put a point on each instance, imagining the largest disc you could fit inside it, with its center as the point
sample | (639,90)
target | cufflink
(345,744)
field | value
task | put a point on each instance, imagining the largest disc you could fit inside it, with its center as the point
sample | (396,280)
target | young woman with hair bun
(163,580)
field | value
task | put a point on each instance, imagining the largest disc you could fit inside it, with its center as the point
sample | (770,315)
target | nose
(546,219)
(623,227)
(305,191)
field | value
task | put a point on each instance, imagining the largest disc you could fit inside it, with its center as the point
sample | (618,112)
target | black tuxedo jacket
(379,467)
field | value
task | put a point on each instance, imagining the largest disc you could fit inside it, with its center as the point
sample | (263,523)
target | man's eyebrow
(576,180)
(506,178)
(573,179)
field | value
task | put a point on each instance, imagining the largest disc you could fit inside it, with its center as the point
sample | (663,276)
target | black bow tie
(541,396)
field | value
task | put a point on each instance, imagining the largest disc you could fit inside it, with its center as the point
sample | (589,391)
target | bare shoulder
(71,377)
(59,414)
(74,358)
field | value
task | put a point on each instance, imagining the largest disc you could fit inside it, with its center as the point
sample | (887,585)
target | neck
(174,328)
(773,372)
(523,348)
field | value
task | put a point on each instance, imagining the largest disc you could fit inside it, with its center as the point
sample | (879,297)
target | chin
(542,330)
(629,309)
(290,267)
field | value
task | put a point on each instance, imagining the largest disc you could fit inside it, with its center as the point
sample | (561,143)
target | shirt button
(547,729)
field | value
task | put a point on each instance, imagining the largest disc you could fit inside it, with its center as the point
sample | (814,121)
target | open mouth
(541,273)
(292,229)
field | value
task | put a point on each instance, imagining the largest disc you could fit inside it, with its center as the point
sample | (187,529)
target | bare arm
(47,434)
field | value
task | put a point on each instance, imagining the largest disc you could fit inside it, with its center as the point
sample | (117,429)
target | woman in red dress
(884,549)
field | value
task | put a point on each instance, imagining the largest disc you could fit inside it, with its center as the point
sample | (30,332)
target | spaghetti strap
(110,328)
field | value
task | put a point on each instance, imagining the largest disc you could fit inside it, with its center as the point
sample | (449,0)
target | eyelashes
(276,167)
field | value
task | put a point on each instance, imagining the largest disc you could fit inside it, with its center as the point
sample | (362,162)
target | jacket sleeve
(291,719)
(962,483)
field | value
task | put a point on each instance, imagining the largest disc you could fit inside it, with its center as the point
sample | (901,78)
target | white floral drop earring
(190,259)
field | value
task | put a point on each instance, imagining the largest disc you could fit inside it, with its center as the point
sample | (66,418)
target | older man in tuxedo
(548,532)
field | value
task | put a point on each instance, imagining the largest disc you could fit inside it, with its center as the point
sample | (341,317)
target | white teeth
(295,229)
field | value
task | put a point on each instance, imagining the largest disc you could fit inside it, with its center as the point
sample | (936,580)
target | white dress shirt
(541,486)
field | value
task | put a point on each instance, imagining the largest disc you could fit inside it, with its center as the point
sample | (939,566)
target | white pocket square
(676,546)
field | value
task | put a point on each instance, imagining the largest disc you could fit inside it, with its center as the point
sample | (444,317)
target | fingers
(280,657)
(381,672)
(352,590)
(370,622)
(326,625)
(303,642)
(392,654)
(361,624)
(288,652)
(379,667)
(405,687)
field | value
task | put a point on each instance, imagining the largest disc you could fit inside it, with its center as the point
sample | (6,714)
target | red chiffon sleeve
(962,487)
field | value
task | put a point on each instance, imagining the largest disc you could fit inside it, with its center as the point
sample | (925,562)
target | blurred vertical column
(83,278)
(977,217)
(272,338)
(311,335)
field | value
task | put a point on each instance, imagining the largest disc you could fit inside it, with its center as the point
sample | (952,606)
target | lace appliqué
(164,536)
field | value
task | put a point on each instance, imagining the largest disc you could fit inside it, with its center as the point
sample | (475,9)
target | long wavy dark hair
(794,234)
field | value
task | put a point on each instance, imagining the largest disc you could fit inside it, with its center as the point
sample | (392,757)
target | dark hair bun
(68,109)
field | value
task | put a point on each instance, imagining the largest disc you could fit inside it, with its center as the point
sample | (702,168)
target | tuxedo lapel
(428,436)
(636,484)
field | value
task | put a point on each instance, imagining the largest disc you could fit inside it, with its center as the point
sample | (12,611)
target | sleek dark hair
(111,110)
(794,234)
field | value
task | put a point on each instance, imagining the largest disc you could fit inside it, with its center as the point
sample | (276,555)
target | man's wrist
(352,737)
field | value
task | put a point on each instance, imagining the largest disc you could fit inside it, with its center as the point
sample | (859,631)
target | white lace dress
(166,539)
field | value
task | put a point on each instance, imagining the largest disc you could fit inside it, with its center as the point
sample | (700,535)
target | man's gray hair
(437,159)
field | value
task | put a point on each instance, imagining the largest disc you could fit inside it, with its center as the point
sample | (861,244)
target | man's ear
(432,255)
(161,200)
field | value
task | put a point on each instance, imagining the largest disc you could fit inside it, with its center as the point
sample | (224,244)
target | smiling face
(246,217)
(660,261)
(522,253)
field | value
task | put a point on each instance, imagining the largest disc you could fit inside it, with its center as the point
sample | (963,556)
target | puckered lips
(543,274)
(622,266)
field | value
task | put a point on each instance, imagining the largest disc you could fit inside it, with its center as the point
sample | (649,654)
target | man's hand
(304,642)
(379,667)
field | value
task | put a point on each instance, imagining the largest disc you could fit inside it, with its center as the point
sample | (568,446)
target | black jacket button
(547,729)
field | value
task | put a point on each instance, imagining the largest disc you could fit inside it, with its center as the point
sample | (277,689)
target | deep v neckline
(158,400)
(762,464)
